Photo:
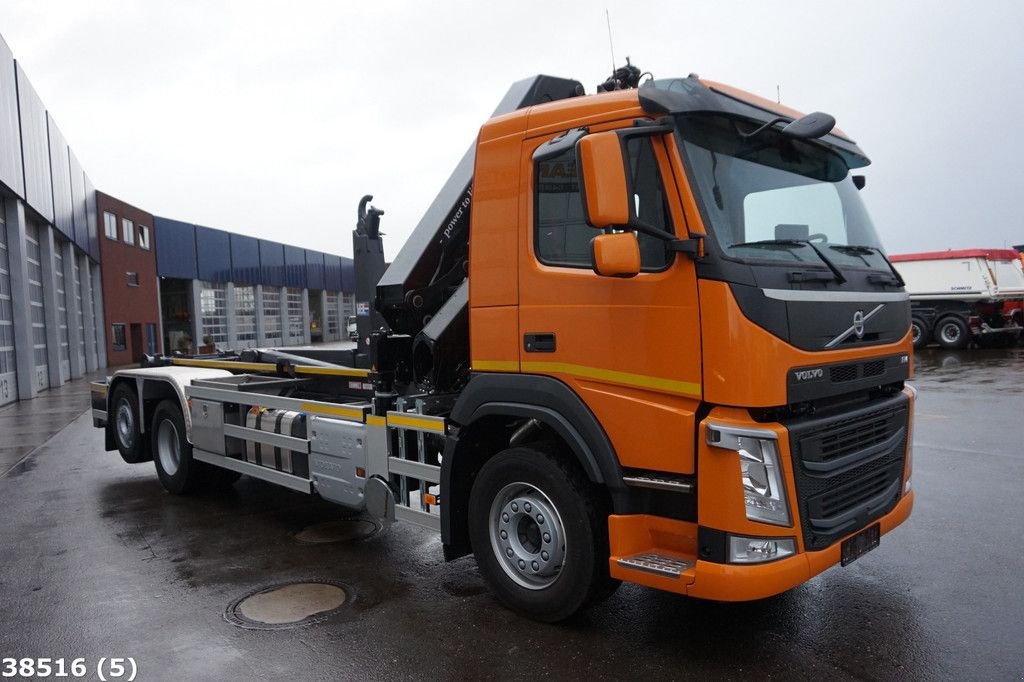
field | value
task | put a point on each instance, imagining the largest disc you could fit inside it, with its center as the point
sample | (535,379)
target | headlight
(764,491)
(758,550)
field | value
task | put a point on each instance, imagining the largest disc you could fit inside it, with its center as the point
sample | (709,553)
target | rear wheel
(539,531)
(951,332)
(125,405)
(919,333)
(179,473)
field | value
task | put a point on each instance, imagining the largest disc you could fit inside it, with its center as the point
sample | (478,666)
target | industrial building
(89,281)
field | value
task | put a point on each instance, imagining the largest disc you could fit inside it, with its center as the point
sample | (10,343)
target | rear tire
(539,531)
(919,333)
(952,333)
(125,407)
(172,453)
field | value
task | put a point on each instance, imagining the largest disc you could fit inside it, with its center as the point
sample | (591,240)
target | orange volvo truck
(647,335)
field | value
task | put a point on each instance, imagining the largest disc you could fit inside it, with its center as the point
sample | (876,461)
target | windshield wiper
(798,242)
(862,249)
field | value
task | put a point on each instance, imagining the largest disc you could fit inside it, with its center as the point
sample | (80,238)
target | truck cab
(737,384)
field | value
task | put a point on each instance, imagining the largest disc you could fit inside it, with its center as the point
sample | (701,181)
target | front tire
(539,531)
(127,437)
(952,333)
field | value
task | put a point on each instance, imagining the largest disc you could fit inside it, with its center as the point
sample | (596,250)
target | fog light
(759,550)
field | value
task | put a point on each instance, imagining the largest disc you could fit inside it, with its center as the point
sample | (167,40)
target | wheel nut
(522,564)
(545,556)
(508,552)
(504,535)
(540,519)
(515,507)
(527,507)
(504,517)
(535,566)
(547,537)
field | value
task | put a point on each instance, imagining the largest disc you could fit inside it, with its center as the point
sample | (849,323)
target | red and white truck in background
(963,297)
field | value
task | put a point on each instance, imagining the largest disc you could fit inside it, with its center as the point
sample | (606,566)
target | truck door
(630,348)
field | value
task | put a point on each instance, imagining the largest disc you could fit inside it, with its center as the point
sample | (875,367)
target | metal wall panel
(60,174)
(272,263)
(10,133)
(90,219)
(79,211)
(175,249)
(213,254)
(348,274)
(35,147)
(295,266)
(315,269)
(245,259)
(332,272)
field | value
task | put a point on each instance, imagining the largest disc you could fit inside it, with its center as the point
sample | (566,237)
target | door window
(561,234)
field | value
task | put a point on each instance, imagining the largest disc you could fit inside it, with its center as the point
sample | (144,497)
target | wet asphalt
(96,560)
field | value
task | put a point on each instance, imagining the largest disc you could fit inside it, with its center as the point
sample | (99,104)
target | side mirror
(603,180)
(859,181)
(616,255)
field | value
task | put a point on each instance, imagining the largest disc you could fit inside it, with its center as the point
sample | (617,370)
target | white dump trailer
(963,297)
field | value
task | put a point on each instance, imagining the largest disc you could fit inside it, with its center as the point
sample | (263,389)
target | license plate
(860,544)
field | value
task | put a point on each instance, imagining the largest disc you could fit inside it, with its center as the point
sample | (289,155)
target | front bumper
(730,582)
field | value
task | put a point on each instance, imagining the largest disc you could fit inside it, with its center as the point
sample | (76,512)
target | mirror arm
(691,247)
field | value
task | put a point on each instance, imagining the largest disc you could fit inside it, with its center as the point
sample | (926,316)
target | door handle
(539,343)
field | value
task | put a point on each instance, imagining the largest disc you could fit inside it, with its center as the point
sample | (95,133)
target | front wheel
(539,531)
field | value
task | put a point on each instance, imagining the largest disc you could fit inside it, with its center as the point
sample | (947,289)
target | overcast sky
(273,119)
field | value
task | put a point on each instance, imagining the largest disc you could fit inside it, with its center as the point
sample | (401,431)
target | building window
(213,321)
(144,237)
(117,337)
(133,279)
(245,316)
(110,225)
(272,315)
(128,231)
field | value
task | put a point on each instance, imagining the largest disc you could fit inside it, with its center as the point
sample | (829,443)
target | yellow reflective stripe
(336,410)
(495,365)
(414,422)
(332,371)
(627,378)
(376,421)
(226,364)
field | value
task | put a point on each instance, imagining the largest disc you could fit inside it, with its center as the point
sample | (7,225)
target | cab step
(655,562)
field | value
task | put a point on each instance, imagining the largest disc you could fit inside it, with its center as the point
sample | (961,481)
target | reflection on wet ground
(987,370)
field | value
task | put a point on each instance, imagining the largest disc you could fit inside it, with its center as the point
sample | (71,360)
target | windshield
(766,196)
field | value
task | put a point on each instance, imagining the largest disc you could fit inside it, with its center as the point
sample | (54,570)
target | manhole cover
(287,606)
(341,530)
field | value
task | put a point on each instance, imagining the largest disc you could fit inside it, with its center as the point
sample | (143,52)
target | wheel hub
(527,536)
(167,445)
(125,422)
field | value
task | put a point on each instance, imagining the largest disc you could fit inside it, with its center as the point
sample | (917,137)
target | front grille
(848,469)
(874,368)
(842,373)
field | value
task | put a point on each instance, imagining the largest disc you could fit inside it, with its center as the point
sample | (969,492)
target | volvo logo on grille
(860,318)
(858,324)
(808,374)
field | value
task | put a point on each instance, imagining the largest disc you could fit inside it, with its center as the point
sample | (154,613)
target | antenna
(778,94)
(611,47)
